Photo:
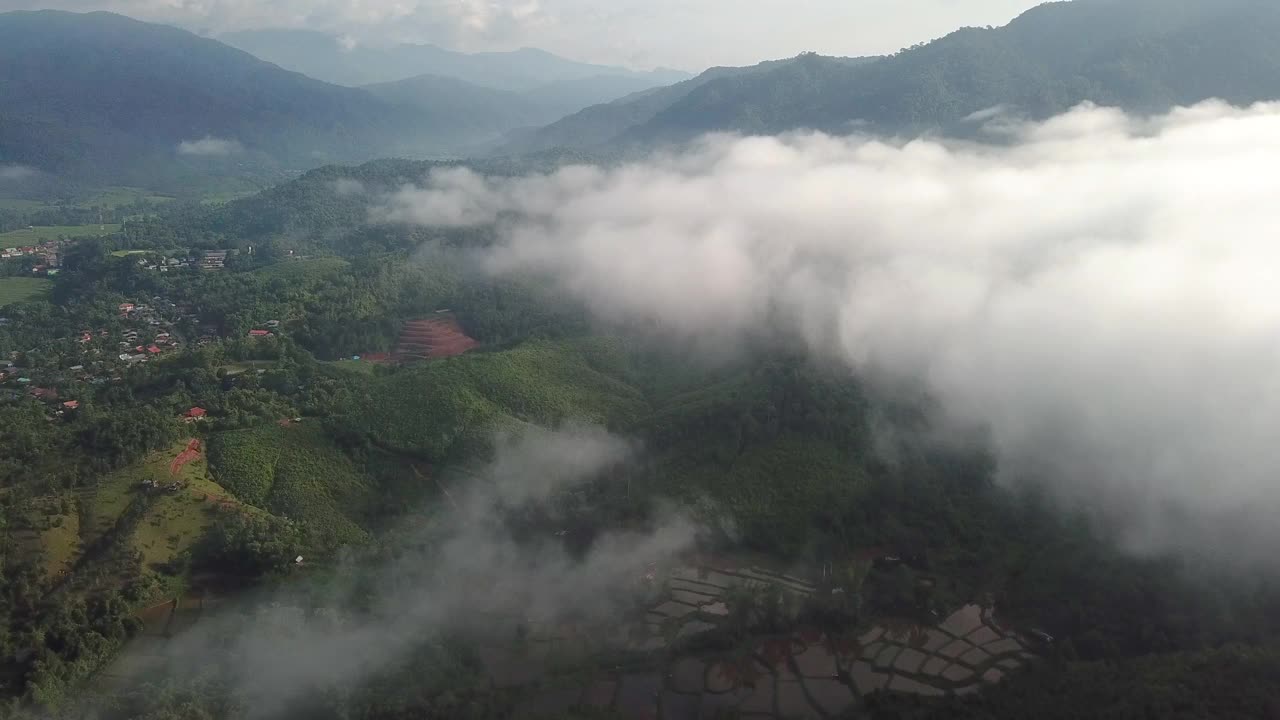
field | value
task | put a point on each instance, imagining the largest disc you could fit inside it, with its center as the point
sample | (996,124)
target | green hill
(100,98)
(1142,55)
(444,409)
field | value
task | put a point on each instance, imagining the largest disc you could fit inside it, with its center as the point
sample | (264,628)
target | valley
(351,377)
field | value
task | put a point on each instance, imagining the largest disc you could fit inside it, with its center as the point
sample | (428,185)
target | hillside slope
(102,98)
(1141,55)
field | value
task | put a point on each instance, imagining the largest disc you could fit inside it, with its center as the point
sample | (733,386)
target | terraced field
(800,675)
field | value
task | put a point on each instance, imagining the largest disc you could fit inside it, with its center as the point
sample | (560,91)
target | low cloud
(210,147)
(462,568)
(346,187)
(1096,293)
(12,173)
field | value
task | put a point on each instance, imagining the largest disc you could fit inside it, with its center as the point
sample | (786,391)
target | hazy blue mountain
(479,114)
(99,97)
(1144,55)
(324,56)
(466,114)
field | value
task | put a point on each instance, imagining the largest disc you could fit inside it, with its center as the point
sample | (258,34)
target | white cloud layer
(11,173)
(462,569)
(210,147)
(1099,293)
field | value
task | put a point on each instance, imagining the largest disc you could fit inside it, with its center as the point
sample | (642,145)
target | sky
(1094,296)
(684,34)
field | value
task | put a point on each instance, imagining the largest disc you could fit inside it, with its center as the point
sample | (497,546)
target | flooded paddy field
(653,664)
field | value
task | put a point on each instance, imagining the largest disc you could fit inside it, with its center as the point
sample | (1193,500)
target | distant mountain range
(536,78)
(99,98)
(1143,55)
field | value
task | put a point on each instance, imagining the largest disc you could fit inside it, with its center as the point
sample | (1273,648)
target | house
(259,333)
(273,324)
(195,414)
(126,307)
(40,393)
(71,404)
(153,349)
(214,259)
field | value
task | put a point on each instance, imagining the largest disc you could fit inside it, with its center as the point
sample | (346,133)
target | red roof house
(259,333)
(153,349)
(194,414)
(71,404)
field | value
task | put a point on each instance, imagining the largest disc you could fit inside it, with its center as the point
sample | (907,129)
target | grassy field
(176,521)
(359,367)
(304,269)
(20,204)
(117,196)
(52,232)
(50,534)
(19,289)
(173,522)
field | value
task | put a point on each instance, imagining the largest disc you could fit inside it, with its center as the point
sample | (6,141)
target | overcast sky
(687,34)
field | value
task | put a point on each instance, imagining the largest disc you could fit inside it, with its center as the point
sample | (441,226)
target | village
(47,256)
(147,331)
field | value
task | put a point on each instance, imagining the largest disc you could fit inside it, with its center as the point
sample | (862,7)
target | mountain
(100,98)
(463,112)
(599,124)
(547,79)
(474,115)
(1142,55)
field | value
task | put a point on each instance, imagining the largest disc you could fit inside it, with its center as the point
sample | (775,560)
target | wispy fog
(461,567)
(210,147)
(12,173)
(1097,291)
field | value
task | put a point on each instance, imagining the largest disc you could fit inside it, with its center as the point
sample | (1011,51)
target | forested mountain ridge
(598,124)
(1142,56)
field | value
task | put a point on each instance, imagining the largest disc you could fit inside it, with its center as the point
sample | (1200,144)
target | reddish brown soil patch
(433,338)
(190,453)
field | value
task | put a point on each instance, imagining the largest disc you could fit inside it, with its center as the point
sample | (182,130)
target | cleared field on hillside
(174,520)
(309,269)
(117,196)
(52,232)
(20,204)
(20,289)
